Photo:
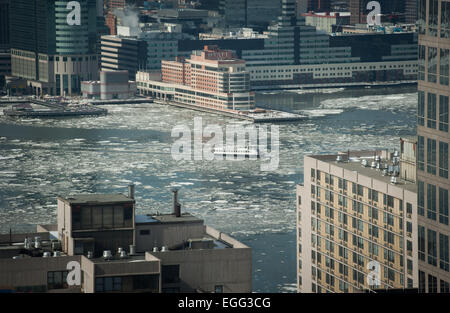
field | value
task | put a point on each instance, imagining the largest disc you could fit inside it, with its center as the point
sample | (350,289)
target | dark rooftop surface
(167,218)
(95,198)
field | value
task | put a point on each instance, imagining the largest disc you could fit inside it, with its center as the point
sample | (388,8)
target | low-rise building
(112,85)
(325,20)
(99,239)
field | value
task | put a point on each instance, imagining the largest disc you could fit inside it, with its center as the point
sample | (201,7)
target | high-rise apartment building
(53,54)
(433,141)
(357,223)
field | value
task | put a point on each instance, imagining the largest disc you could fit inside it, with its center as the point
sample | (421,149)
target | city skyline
(274,146)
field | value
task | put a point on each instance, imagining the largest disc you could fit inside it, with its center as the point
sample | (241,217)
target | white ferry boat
(234,151)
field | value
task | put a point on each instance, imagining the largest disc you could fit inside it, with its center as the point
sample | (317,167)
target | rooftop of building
(327,14)
(166,218)
(120,37)
(352,161)
(95,199)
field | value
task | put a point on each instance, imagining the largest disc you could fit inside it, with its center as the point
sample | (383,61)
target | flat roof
(167,218)
(354,165)
(95,198)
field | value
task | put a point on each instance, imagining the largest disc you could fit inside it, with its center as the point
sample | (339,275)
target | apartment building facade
(357,224)
(433,141)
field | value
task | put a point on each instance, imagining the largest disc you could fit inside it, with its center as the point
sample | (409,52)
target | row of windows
(428,246)
(436,119)
(358,242)
(432,156)
(433,16)
(389,219)
(434,197)
(357,189)
(444,287)
(357,277)
(437,59)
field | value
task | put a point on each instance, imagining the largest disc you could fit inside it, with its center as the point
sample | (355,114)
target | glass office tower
(51,54)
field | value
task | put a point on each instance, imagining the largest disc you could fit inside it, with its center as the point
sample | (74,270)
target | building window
(443,206)
(443,113)
(431,156)
(144,232)
(443,252)
(421,108)
(408,208)
(443,73)
(432,247)
(421,63)
(432,284)
(108,284)
(422,282)
(432,17)
(421,243)
(420,198)
(431,111)
(445,19)
(445,287)
(443,159)
(432,64)
(389,237)
(170,274)
(421,153)
(431,202)
(57,280)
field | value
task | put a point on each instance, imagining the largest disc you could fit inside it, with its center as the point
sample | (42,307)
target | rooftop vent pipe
(131,191)
(176,205)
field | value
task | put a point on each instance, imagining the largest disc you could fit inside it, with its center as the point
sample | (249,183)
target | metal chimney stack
(131,191)
(176,205)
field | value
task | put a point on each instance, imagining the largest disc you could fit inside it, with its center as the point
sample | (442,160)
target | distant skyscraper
(53,55)
(319,5)
(5,55)
(393,9)
(4,23)
(433,145)
(242,13)
(410,11)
